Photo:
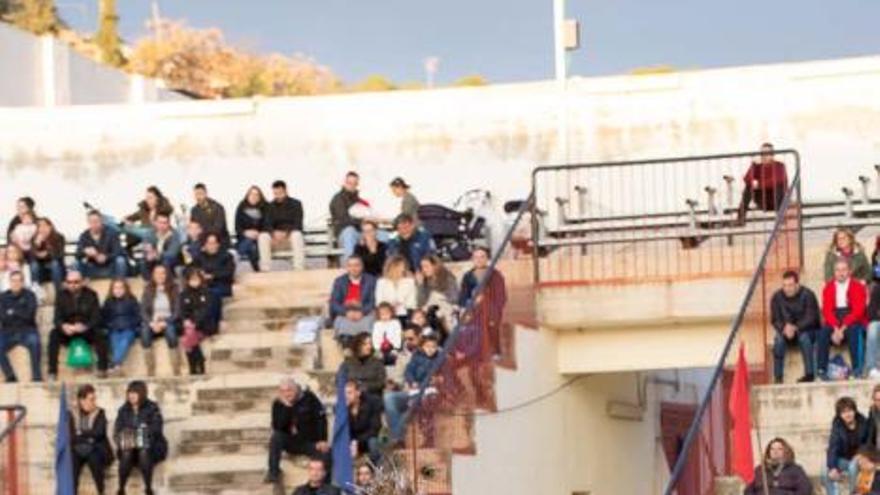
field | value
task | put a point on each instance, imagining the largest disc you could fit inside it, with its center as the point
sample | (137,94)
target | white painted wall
(442,141)
(43,71)
(568,442)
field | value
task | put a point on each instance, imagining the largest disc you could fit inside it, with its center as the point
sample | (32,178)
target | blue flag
(343,465)
(63,461)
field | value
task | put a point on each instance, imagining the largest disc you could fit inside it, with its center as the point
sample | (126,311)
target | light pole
(559,40)
(431,66)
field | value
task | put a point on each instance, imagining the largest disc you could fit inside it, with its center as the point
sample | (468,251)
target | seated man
(411,242)
(18,326)
(209,214)
(98,252)
(346,228)
(299,427)
(364,422)
(354,286)
(411,342)
(317,483)
(353,323)
(77,314)
(843,308)
(284,221)
(765,182)
(794,313)
(162,248)
(417,371)
(218,268)
(192,246)
(848,434)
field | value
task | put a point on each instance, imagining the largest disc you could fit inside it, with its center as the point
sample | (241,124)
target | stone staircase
(217,424)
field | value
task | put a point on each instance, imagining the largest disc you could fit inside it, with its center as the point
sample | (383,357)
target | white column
(559,39)
(47,71)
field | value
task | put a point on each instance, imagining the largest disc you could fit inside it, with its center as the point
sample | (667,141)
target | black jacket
(80,308)
(837,441)
(339,205)
(874,303)
(871,429)
(286,215)
(802,310)
(243,221)
(123,313)
(50,249)
(323,490)
(18,312)
(91,436)
(220,266)
(369,373)
(791,480)
(366,424)
(212,218)
(195,306)
(150,417)
(107,244)
(307,414)
(374,263)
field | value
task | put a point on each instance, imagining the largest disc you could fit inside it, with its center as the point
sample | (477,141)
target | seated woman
(160,304)
(848,433)
(364,422)
(195,314)
(139,224)
(844,246)
(387,334)
(121,314)
(779,473)
(23,205)
(138,434)
(88,433)
(437,293)
(370,249)
(364,367)
(47,254)
(250,222)
(23,234)
(398,288)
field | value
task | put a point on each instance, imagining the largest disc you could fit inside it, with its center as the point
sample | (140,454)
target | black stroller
(455,232)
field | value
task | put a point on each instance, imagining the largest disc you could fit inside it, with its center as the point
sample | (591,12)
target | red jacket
(857,298)
(771,176)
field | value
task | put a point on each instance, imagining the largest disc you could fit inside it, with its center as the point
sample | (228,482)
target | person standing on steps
(299,427)
(139,436)
(88,433)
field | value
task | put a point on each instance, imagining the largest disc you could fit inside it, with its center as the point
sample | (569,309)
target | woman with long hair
(437,292)
(397,287)
(250,223)
(47,254)
(160,304)
(849,430)
(844,246)
(121,315)
(370,249)
(779,472)
(91,447)
(139,436)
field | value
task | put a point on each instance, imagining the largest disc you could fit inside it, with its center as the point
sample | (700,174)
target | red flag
(741,462)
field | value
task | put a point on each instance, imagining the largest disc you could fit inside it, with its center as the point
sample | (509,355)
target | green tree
(107,37)
(36,16)
(471,80)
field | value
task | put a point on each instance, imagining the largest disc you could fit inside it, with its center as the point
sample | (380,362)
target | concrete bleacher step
(226,474)
(245,433)
(268,310)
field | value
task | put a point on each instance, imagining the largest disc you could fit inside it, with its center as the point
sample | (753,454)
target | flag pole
(760,446)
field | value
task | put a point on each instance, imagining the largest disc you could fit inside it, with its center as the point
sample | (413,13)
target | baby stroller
(455,230)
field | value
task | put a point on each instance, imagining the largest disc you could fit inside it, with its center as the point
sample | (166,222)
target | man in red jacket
(844,301)
(765,183)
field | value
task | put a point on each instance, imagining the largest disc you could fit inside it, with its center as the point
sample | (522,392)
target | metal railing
(461,381)
(13,474)
(704,453)
(644,220)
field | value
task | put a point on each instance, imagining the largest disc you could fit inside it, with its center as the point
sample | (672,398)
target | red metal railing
(13,473)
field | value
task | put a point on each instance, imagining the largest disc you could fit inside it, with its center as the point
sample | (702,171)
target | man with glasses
(77,314)
(765,183)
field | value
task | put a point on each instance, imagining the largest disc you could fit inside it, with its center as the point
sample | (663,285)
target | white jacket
(401,295)
(387,329)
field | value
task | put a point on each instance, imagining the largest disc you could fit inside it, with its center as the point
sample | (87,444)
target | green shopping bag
(79,354)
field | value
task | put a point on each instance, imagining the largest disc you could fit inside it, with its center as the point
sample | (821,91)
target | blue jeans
(218,292)
(112,224)
(848,467)
(30,339)
(170,335)
(114,268)
(854,337)
(53,266)
(396,405)
(805,340)
(871,348)
(120,342)
(348,240)
(249,250)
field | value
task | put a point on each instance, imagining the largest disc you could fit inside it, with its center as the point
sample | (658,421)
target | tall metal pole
(561,78)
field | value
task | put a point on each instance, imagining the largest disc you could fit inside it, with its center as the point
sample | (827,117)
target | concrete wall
(443,141)
(569,442)
(43,71)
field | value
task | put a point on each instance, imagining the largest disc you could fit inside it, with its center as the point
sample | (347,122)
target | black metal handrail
(693,431)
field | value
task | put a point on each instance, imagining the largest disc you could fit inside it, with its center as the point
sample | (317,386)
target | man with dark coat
(299,427)
(317,483)
(345,227)
(209,214)
(77,314)
(794,313)
(18,326)
(284,223)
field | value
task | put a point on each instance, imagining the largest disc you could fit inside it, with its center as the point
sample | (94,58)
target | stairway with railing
(13,474)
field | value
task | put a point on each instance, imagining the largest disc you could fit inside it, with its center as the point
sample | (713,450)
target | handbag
(79,354)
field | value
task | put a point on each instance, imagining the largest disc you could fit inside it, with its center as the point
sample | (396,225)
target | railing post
(866,196)
(11,456)
(848,201)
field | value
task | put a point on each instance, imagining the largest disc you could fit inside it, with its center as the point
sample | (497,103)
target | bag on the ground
(306,330)
(79,354)
(838,369)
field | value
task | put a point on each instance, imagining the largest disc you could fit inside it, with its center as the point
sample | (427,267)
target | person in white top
(397,287)
(387,333)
